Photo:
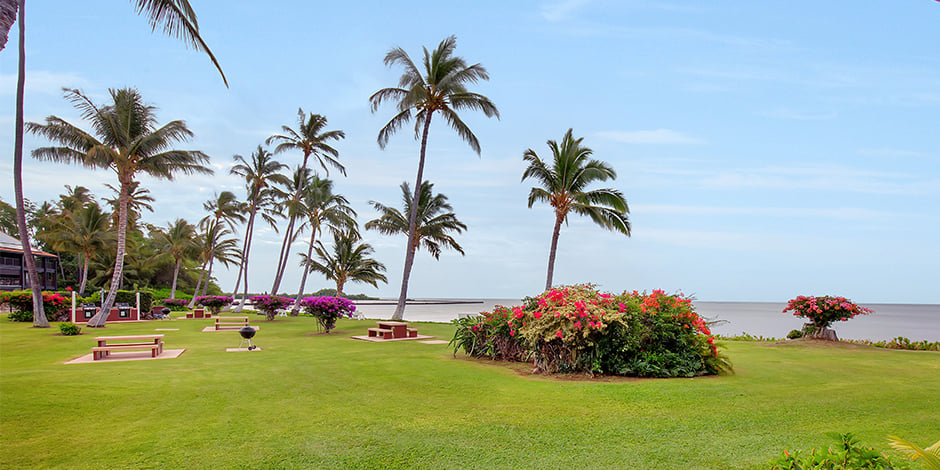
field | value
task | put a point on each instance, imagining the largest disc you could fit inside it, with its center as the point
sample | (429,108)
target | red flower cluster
(825,310)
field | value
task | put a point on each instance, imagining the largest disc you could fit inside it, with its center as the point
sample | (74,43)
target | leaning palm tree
(178,241)
(563,185)
(311,139)
(138,199)
(129,143)
(435,220)
(441,88)
(176,17)
(348,262)
(260,175)
(323,210)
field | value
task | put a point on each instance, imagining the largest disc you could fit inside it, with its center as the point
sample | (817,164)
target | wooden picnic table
(106,344)
(392,330)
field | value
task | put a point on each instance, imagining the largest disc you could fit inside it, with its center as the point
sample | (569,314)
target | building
(13,273)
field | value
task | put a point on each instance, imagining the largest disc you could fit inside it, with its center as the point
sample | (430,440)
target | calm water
(913,321)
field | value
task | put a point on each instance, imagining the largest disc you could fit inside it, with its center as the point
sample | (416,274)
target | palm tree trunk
(39,314)
(551,252)
(241,265)
(202,273)
(250,233)
(303,279)
(205,285)
(283,256)
(118,273)
(176,273)
(412,225)
(81,287)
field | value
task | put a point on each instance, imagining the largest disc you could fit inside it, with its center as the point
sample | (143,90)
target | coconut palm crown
(563,184)
(435,220)
(129,143)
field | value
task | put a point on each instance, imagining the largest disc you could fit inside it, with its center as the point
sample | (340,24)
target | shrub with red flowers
(215,303)
(491,335)
(328,309)
(55,305)
(175,305)
(822,312)
(270,304)
(579,329)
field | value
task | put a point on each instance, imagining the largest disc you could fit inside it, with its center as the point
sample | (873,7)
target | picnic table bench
(106,344)
(230,322)
(392,330)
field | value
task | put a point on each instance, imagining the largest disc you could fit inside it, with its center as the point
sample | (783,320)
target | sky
(766,149)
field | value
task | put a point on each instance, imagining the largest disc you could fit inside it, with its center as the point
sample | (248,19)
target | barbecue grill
(247,333)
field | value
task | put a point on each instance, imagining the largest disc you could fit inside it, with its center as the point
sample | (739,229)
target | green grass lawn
(310,400)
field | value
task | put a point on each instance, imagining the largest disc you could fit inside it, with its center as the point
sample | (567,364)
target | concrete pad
(241,350)
(166,329)
(120,356)
(376,339)
(229,328)
(435,341)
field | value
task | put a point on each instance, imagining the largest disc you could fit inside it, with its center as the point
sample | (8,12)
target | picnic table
(392,330)
(106,344)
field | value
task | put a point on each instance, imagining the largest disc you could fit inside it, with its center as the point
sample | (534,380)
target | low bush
(175,305)
(270,304)
(327,310)
(848,455)
(578,329)
(69,329)
(901,343)
(214,303)
(54,304)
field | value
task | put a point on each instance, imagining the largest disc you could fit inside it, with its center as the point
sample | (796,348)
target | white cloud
(658,136)
(559,11)
(42,81)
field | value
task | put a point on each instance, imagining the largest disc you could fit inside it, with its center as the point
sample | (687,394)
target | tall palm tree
(138,199)
(177,19)
(323,209)
(435,220)
(311,139)
(177,241)
(260,175)
(216,244)
(349,261)
(563,185)
(129,143)
(443,89)
(223,208)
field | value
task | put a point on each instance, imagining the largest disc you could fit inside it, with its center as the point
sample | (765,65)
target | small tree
(328,309)
(822,312)
(213,302)
(270,304)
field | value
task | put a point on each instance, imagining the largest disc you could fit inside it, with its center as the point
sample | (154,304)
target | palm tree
(260,175)
(563,186)
(138,199)
(226,208)
(323,209)
(349,261)
(435,220)
(310,139)
(130,143)
(216,244)
(177,19)
(83,231)
(178,241)
(443,89)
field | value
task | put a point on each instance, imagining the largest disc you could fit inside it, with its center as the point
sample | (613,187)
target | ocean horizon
(916,322)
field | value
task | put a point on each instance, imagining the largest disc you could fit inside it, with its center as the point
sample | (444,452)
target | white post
(73,306)
(138,305)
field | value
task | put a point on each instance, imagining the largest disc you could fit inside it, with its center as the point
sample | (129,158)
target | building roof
(13,245)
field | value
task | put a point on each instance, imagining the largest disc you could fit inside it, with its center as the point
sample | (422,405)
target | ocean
(913,321)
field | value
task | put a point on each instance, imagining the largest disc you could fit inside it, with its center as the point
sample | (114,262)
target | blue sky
(767,149)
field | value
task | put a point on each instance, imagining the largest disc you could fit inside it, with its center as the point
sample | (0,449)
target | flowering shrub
(328,309)
(491,335)
(823,311)
(270,304)
(849,454)
(214,303)
(175,305)
(578,329)
(55,305)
